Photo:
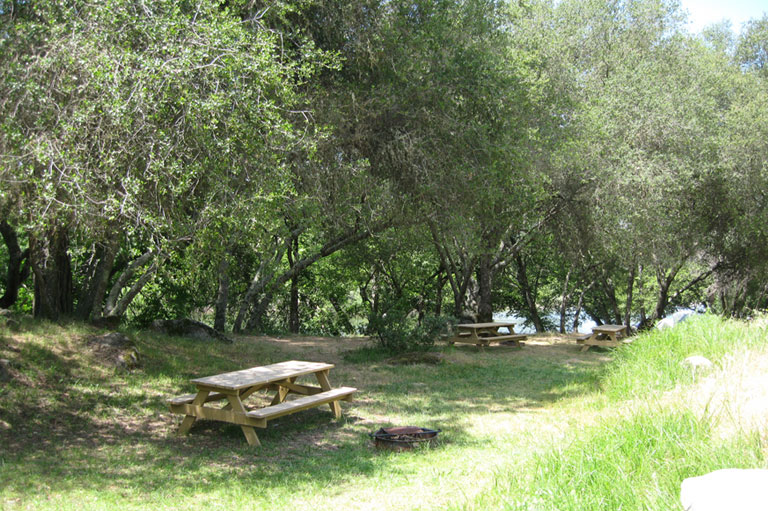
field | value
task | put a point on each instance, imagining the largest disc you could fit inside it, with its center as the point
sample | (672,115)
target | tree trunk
(343,317)
(122,281)
(117,302)
(90,302)
(630,289)
(460,299)
(528,293)
(664,279)
(643,319)
(17,271)
(484,282)
(53,274)
(564,302)
(458,274)
(266,287)
(222,296)
(441,280)
(293,308)
(128,297)
(579,305)
(610,294)
(257,284)
(256,321)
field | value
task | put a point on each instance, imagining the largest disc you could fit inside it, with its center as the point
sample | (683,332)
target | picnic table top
(261,375)
(486,325)
(609,328)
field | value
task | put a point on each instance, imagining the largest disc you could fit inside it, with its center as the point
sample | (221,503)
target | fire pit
(403,438)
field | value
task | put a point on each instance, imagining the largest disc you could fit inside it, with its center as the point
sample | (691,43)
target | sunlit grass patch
(653,362)
(629,463)
(531,428)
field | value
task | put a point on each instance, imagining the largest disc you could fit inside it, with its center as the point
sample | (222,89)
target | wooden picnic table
(603,335)
(234,387)
(483,334)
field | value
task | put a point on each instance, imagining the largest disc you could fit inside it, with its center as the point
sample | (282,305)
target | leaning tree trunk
(91,299)
(579,306)
(52,269)
(118,299)
(528,294)
(610,294)
(268,286)
(643,319)
(664,280)
(17,271)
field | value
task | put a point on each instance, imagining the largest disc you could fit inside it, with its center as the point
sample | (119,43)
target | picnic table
(234,387)
(603,335)
(483,334)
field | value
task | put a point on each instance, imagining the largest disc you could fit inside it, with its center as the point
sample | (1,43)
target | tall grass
(646,440)
(654,361)
(636,463)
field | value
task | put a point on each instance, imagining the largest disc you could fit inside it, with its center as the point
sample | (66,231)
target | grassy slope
(522,429)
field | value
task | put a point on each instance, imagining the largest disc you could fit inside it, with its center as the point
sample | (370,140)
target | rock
(729,489)
(128,359)
(697,362)
(8,319)
(116,349)
(189,328)
(12,324)
(417,357)
(5,370)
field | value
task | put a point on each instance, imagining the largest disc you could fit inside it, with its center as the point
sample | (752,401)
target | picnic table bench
(483,334)
(234,387)
(603,335)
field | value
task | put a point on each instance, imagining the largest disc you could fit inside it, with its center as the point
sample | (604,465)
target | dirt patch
(311,348)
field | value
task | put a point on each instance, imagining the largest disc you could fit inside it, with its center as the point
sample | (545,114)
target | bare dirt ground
(331,349)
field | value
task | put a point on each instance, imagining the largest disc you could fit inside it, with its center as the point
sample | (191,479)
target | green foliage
(397,332)
(752,50)
(598,141)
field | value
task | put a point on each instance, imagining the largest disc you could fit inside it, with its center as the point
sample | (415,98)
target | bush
(399,332)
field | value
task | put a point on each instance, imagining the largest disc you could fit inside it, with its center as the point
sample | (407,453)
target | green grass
(544,427)
(654,362)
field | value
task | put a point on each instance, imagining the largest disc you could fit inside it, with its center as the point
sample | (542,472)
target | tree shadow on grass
(75,435)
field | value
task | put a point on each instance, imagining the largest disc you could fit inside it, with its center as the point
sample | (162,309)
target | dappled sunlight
(114,429)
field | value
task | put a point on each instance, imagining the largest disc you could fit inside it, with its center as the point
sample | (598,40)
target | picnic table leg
(244,393)
(189,420)
(237,406)
(325,384)
(281,393)
(587,343)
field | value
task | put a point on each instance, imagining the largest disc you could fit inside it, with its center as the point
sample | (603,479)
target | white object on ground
(729,489)
(696,361)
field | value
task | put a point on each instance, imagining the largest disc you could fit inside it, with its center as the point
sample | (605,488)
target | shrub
(399,332)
